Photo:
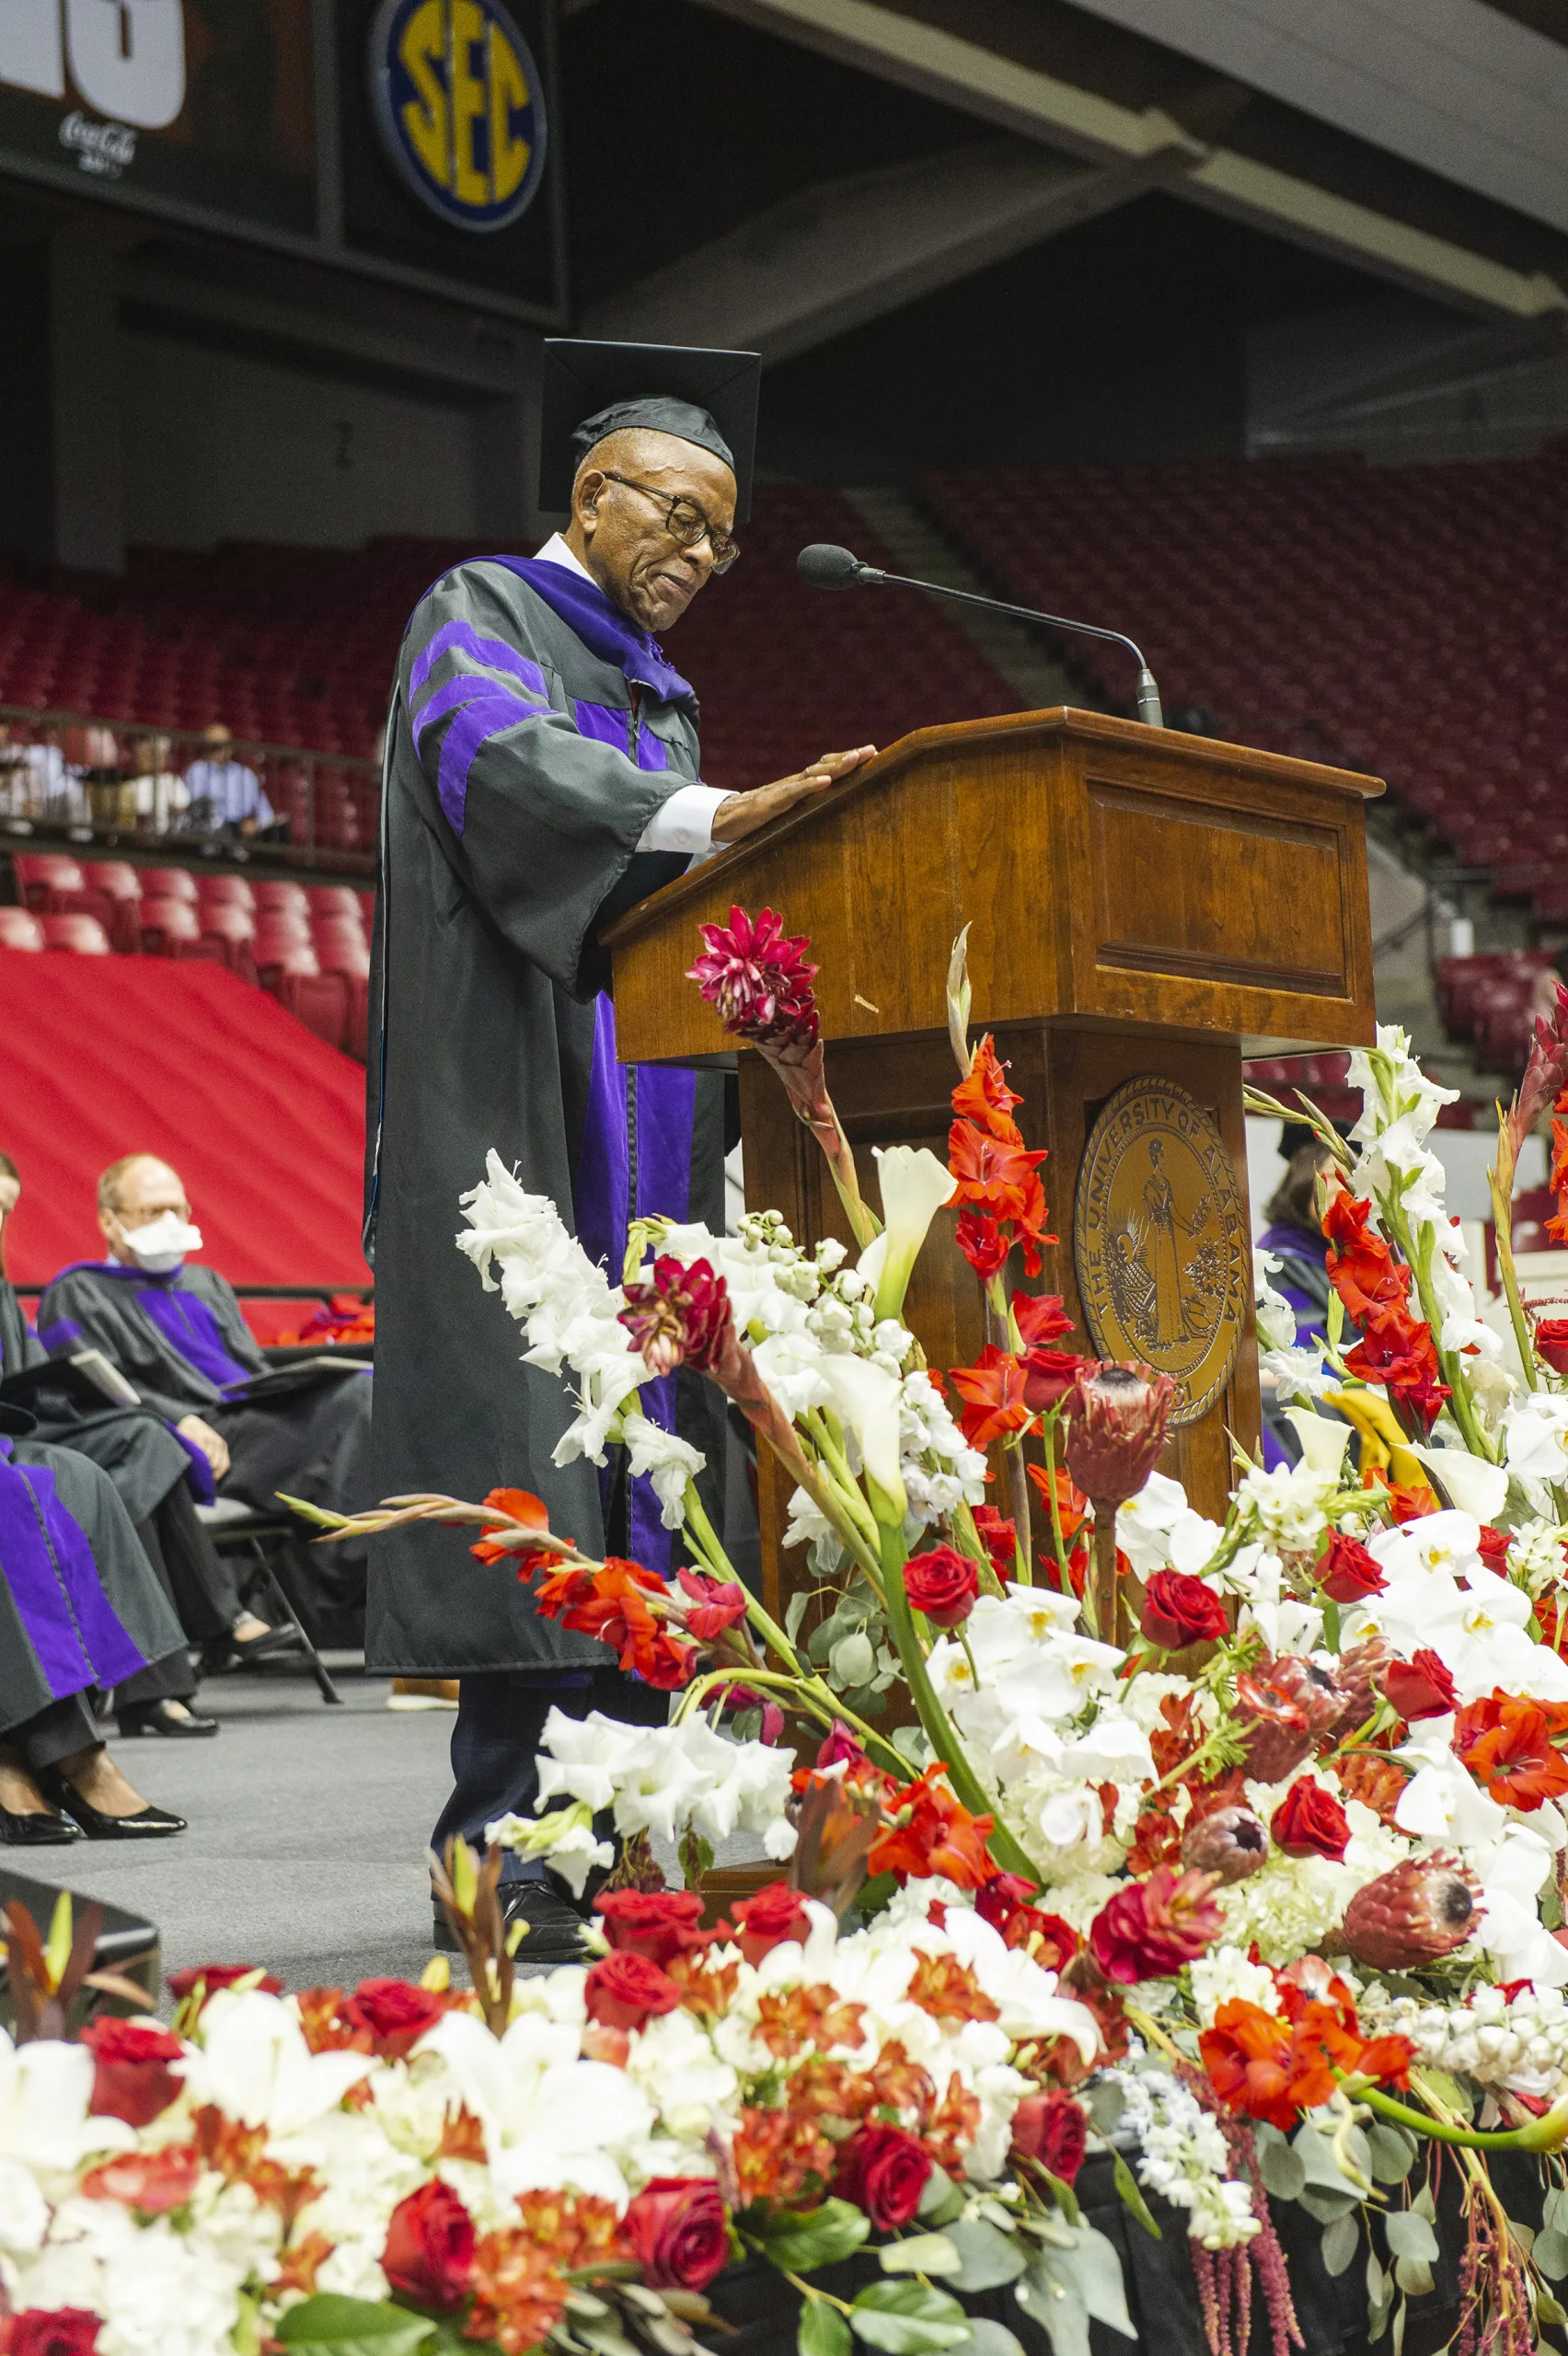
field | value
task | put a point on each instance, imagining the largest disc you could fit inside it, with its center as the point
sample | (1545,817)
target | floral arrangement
(1231,1849)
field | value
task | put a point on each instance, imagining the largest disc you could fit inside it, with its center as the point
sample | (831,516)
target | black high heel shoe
(148,1824)
(161,1717)
(35,1831)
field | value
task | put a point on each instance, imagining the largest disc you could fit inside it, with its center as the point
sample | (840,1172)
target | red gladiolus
(758,979)
(1309,1822)
(991,1395)
(933,1833)
(623,1990)
(840,1747)
(985,1097)
(999,1538)
(1550,1336)
(1361,1266)
(767,1918)
(519,1506)
(1040,1318)
(51,2331)
(611,1604)
(1051,2128)
(993,1174)
(942,1584)
(153,2182)
(1151,1928)
(1398,1351)
(1507,1745)
(678,2227)
(883,2170)
(984,1243)
(1348,1572)
(658,1923)
(1117,1429)
(1420,1687)
(395,2012)
(1004,1902)
(214,1976)
(132,2078)
(680,1318)
(429,2257)
(714,1605)
(1179,1611)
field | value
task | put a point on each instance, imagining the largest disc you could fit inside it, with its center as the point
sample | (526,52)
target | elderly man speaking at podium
(542,776)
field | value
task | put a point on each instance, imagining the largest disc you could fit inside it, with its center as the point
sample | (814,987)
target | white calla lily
(915,1185)
(866,1399)
(1471,1485)
(1323,1440)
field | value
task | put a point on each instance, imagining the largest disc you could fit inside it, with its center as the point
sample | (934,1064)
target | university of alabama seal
(1160,1241)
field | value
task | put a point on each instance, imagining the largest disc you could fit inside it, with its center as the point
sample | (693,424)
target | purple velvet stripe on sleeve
(462,638)
(198,1472)
(55,1337)
(603,1173)
(665,1105)
(488,715)
(192,1331)
(73,1628)
(604,723)
(653,753)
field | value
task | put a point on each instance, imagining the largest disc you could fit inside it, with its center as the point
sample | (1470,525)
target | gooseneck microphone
(826,567)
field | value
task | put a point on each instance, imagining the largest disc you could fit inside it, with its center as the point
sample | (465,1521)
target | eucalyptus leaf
(1413,2276)
(330,2325)
(1393,2150)
(798,2244)
(988,2339)
(1554,2210)
(822,2330)
(1340,2241)
(1550,2253)
(1409,2235)
(920,2254)
(1100,2272)
(986,2259)
(1282,2167)
(1426,2205)
(1547,2310)
(907,2318)
(1107,2101)
(1132,2197)
(792,1619)
(940,2199)
(853,1659)
(1057,2305)
(1398,2341)
(1327,2207)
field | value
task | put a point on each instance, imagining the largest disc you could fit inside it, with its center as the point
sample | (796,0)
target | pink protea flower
(1229,1843)
(1422,1909)
(1285,1707)
(1116,1429)
(680,1318)
(758,979)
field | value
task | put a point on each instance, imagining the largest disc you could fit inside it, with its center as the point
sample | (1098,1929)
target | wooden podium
(1145,909)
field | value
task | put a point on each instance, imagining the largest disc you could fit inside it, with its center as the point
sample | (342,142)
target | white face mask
(162,1243)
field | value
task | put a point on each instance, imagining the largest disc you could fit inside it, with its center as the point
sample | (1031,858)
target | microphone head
(826,567)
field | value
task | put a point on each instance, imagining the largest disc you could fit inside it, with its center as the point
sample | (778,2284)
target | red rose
(1309,1822)
(767,1919)
(429,2256)
(1048,1376)
(1493,1544)
(1050,2128)
(1348,1572)
(678,2227)
(395,2012)
(840,1747)
(215,1976)
(1151,1928)
(1179,1611)
(884,2171)
(622,1990)
(1550,1339)
(1419,1688)
(55,2331)
(132,2079)
(154,2182)
(658,1923)
(943,1584)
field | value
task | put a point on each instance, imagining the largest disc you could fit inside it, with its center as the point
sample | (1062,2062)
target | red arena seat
(83,936)
(20,929)
(168,883)
(167,926)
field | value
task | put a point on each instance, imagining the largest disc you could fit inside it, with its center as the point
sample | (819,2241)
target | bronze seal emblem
(1160,1241)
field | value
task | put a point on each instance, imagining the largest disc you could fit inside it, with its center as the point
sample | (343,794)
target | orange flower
(932,1834)
(994,1173)
(1274,2069)
(778,2156)
(949,1990)
(952,2127)
(1507,1745)
(985,1097)
(1247,2054)
(1072,1506)
(521,1506)
(576,2229)
(611,1605)
(519,2296)
(992,1391)
(789,2020)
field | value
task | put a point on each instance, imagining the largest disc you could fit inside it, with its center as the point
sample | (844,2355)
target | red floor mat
(263,1121)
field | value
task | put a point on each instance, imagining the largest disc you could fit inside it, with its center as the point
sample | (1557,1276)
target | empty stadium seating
(1411,621)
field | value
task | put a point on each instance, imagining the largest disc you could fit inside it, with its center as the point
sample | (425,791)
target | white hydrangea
(1226,1973)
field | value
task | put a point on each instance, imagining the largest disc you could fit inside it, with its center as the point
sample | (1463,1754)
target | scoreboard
(413,140)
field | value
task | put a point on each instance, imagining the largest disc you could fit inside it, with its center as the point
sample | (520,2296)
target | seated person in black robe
(152,1469)
(79,1609)
(178,1333)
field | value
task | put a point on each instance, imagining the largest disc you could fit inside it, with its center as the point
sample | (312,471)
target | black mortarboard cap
(1294,1135)
(709,398)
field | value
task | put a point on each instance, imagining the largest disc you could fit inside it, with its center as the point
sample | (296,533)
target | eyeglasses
(685,521)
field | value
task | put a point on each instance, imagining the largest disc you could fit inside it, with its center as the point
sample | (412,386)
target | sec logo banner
(459,103)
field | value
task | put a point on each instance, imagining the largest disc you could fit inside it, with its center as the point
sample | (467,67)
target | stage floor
(307,1832)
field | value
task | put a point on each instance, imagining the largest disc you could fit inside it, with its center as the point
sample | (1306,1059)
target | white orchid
(45,2090)
(254,2064)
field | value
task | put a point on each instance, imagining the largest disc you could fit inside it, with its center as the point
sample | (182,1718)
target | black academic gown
(134,1445)
(183,1341)
(527,753)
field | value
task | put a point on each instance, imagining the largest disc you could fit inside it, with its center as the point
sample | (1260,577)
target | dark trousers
(495,1741)
(57,1732)
(198,1583)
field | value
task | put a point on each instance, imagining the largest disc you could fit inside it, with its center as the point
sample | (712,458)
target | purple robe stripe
(74,1631)
(494,653)
(653,753)
(485,716)
(189,1326)
(601,625)
(604,723)
(55,1337)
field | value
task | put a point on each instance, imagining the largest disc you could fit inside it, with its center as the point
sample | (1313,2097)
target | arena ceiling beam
(833,256)
(964,70)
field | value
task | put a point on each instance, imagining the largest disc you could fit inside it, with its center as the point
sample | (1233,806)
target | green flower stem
(809,1693)
(933,1718)
(1048,1439)
(1420,1259)
(704,1539)
(831,1449)
(1470,2139)
(1503,1216)
(1023,1533)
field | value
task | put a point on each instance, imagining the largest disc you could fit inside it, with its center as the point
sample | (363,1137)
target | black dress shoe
(263,1647)
(554,1933)
(148,1824)
(35,1831)
(163,1717)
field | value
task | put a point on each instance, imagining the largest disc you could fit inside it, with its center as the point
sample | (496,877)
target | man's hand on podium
(742,814)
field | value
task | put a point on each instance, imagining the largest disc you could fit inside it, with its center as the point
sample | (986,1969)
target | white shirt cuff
(685,821)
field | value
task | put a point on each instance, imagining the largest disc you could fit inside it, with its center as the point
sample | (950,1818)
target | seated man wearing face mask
(177,1332)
